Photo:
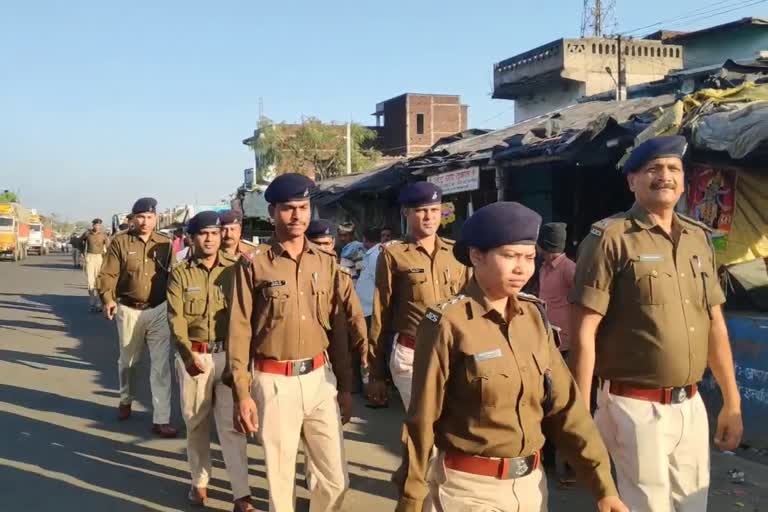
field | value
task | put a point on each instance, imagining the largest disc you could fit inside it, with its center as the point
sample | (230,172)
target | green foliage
(6,196)
(313,148)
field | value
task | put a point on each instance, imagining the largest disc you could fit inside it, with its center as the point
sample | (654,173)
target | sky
(105,102)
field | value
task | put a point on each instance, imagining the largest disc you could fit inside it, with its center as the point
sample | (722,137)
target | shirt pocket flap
(487,368)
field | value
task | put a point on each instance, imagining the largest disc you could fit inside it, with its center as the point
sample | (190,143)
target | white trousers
(286,407)
(202,396)
(135,328)
(660,452)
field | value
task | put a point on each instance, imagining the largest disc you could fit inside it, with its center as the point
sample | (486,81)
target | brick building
(410,124)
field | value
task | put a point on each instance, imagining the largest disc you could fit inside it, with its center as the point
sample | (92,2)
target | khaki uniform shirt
(479,384)
(136,271)
(93,242)
(408,280)
(197,304)
(654,294)
(356,326)
(286,310)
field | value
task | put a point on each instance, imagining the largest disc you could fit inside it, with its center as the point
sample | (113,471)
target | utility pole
(621,84)
(598,24)
(349,147)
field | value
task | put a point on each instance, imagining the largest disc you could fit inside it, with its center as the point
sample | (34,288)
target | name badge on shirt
(131,253)
(192,289)
(275,284)
(415,271)
(651,257)
(484,356)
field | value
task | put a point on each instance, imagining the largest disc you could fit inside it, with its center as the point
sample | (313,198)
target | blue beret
(203,220)
(318,228)
(288,187)
(144,205)
(421,193)
(657,147)
(497,224)
(230,217)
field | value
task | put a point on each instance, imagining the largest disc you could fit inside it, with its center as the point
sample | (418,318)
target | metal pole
(621,86)
(349,148)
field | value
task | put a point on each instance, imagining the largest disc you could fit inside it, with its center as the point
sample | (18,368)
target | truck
(40,236)
(14,231)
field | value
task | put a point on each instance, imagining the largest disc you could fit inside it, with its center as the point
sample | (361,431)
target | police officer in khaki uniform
(132,286)
(319,233)
(410,275)
(489,384)
(232,234)
(648,320)
(197,314)
(287,324)
(94,243)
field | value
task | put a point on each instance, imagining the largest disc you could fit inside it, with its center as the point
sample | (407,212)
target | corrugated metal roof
(573,117)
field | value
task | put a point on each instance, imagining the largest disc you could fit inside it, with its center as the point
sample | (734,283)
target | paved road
(62,446)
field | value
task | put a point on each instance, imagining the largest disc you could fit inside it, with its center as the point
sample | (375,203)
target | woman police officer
(490,385)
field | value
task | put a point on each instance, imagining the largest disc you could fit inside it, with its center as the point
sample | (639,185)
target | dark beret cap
(318,228)
(497,224)
(657,147)
(421,193)
(230,217)
(144,205)
(553,236)
(289,187)
(96,221)
(203,220)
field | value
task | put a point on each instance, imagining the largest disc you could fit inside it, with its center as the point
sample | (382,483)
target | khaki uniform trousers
(401,368)
(456,491)
(135,328)
(202,395)
(92,268)
(660,452)
(288,406)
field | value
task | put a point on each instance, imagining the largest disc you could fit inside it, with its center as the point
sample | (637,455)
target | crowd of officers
(270,339)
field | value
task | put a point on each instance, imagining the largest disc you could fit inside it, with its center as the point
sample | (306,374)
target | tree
(313,148)
(6,196)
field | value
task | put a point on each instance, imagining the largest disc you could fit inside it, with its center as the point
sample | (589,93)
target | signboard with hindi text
(454,182)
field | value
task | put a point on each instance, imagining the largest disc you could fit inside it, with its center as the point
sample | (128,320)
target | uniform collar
(278,249)
(439,243)
(481,306)
(223,260)
(645,220)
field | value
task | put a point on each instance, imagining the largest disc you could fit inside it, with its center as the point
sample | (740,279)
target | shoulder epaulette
(448,241)
(529,297)
(249,243)
(435,313)
(164,235)
(697,223)
(599,227)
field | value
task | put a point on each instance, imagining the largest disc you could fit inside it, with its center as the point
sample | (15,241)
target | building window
(419,124)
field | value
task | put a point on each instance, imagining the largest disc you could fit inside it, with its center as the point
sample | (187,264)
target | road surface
(63,448)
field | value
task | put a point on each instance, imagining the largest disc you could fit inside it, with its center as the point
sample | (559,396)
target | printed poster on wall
(712,200)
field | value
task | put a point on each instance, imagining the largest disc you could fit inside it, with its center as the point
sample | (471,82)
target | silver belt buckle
(679,395)
(518,467)
(301,367)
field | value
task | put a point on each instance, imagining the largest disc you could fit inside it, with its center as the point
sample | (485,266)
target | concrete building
(738,40)
(410,124)
(557,74)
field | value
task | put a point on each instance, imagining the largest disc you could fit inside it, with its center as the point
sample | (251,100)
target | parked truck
(14,231)
(40,236)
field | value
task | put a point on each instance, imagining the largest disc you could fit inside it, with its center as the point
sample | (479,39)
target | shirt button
(301,293)
(654,273)
(691,329)
(687,301)
(303,317)
(682,274)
